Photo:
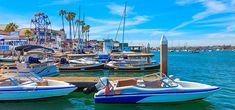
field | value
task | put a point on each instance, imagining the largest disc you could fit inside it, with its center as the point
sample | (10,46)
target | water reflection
(80,101)
(192,105)
(74,101)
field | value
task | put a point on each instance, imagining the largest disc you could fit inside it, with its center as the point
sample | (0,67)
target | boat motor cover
(63,61)
(97,87)
(32,60)
(102,83)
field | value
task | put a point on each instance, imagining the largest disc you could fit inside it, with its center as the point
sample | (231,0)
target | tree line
(76,26)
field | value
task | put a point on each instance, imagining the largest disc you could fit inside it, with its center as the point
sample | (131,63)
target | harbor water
(214,68)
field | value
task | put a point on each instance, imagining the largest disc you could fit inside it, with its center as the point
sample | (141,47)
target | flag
(107,88)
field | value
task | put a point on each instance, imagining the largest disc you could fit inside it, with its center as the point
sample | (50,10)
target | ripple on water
(214,68)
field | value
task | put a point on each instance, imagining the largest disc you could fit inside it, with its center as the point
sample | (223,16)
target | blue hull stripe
(35,89)
(170,92)
(133,98)
(128,99)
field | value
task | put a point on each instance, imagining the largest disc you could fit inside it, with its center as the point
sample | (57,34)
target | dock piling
(148,51)
(163,55)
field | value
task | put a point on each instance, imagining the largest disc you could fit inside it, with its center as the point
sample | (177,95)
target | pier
(83,82)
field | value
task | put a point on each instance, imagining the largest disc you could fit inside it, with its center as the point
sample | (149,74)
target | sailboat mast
(79,29)
(83,35)
(124,22)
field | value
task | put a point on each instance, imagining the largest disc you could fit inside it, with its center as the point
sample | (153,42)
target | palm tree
(28,33)
(11,27)
(88,32)
(62,13)
(83,30)
(77,29)
(70,17)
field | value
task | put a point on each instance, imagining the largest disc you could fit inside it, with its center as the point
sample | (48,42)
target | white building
(107,46)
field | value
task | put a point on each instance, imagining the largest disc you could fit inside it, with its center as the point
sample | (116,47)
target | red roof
(3,32)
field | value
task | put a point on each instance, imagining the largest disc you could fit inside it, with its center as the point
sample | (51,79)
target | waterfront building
(107,46)
(124,47)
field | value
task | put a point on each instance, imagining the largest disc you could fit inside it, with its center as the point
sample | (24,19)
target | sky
(183,22)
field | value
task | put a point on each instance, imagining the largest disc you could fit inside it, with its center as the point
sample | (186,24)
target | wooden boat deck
(83,82)
(84,79)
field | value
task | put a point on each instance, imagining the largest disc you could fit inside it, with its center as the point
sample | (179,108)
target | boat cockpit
(149,81)
(25,79)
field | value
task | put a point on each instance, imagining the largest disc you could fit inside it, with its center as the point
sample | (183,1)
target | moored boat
(152,88)
(36,59)
(8,59)
(79,62)
(132,61)
(32,87)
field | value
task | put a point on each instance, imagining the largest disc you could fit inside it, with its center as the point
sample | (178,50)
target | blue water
(214,68)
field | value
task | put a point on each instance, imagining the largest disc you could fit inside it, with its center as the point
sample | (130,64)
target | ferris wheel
(41,24)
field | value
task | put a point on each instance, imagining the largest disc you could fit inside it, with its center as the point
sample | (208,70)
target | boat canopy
(27,48)
(35,52)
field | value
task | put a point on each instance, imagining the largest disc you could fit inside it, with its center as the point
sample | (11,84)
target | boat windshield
(8,82)
(19,79)
(158,80)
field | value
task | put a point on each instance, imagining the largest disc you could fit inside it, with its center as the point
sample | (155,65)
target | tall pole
(163,55)
(148,51)
(124,22)
(79,29)
(83,34)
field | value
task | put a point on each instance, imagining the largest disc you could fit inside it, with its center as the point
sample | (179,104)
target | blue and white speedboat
(32,87)
(154,88)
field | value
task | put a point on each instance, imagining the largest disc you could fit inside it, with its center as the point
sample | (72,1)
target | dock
(83,82)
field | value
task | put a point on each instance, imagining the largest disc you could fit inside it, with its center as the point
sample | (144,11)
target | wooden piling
(163,55)
(148,51)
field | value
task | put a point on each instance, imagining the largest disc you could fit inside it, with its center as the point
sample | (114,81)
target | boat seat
(127,82)
(153,84)
(43,83)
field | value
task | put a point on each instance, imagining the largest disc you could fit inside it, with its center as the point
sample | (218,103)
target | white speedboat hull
(176,97)
(133,94)
(7,59)
(35,92)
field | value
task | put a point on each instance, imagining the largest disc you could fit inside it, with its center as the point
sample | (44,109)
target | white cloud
(108,26)
(218,20)
(212,7)
(233,2)
(21,21)
(175,43)
(185,2)
(119,9)
(230,28)
(221,35)
(137,20)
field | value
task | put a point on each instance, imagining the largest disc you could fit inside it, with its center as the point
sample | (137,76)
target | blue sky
(184,22)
